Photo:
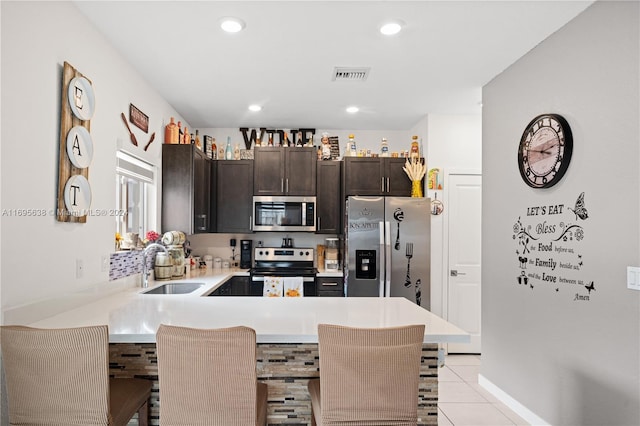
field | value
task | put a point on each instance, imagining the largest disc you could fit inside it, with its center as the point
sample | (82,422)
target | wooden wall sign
(139,118)
(75,146)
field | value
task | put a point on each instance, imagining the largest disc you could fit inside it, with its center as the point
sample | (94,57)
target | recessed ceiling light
(353,109)
(255,108)
(392,27)
(231,24)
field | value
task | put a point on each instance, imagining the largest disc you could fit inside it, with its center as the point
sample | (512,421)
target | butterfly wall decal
(580,210)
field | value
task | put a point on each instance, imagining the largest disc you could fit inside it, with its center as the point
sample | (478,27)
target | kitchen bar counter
(286,330)
(134,317)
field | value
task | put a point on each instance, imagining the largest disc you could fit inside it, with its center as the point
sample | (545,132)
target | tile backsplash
(124,263)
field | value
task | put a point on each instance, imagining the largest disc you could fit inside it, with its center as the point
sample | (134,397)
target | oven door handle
(262,277)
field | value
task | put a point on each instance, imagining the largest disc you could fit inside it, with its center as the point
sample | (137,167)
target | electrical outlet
(104,263)
(79,268)
(633,277)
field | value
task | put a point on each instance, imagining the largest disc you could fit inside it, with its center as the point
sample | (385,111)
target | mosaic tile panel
(125,263)
(285,368)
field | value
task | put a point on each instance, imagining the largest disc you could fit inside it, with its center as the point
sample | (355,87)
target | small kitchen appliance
(245,253)
(284,214)
(331,255)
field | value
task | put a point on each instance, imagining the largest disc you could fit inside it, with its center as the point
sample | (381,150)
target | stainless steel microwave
(288,213)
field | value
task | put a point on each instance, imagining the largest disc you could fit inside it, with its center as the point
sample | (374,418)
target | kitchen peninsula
(286,330)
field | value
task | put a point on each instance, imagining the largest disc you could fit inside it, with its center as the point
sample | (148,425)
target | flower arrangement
(118,240)
(151,237)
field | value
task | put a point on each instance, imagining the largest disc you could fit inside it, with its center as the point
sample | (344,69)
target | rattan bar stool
(61,377)
(368,376)
(208,377)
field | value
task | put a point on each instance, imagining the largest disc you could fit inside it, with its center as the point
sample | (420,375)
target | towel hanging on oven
(273,287)
(293,287)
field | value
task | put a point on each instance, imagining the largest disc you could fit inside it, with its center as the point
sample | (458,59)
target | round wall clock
(545,150)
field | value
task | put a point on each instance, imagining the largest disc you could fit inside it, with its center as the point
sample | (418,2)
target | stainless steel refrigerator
(388,248)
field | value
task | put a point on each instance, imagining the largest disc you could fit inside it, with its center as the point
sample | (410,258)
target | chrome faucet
(145,270)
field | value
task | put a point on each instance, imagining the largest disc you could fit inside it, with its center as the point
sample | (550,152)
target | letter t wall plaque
(75,146)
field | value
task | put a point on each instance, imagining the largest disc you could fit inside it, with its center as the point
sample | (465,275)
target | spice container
(163,267)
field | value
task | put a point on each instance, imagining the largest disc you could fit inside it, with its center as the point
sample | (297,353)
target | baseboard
(510,402)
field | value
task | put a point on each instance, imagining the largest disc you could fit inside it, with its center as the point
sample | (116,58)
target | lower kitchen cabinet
(234,192)
(236,286)
(330,286)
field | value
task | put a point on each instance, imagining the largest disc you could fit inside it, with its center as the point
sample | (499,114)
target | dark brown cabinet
(330,286)
(236,286)
(186,183)
(234,195)
(376,176)
(284,171)
(329,205)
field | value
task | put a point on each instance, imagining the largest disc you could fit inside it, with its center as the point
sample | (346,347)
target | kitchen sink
(174,288)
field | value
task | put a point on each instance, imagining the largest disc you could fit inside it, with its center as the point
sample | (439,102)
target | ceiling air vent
(350,73)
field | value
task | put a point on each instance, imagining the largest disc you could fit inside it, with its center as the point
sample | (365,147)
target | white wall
(38,253)
(568,360)
(454,146)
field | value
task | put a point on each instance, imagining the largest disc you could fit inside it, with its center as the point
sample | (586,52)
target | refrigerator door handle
(382,266)
(387,261)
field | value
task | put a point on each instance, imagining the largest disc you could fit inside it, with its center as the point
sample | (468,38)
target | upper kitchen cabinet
(284,171)
(186,183)
(376,176)
(329,197)
(234,192)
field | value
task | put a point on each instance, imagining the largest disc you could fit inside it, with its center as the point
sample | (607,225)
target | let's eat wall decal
(75,146)
(549,243)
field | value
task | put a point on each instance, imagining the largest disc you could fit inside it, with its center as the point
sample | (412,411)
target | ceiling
(285,57)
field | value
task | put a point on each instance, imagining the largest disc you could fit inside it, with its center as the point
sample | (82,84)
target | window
(135,195)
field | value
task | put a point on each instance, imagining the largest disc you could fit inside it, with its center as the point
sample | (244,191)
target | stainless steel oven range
(283,262)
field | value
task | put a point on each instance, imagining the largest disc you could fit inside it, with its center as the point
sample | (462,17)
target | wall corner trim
(512,403)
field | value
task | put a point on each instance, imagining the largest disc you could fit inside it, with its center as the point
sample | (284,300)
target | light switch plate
(633,278)
(79,268)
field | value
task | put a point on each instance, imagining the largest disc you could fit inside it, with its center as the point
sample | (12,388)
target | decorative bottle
(415,148)
(171,132)
(198,144)
(353,152)
(384,148)
(228,153)
(214,150)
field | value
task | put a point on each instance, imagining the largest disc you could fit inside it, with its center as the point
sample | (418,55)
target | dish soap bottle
(384,148)
(228,153)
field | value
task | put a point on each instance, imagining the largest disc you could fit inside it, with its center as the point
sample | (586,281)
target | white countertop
(133,317)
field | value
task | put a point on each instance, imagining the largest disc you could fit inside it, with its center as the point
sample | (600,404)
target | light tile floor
(463,402)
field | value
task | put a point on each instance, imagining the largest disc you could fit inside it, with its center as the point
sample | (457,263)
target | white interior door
(464,277)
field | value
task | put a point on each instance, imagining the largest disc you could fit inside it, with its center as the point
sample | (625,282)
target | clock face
(545,150)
